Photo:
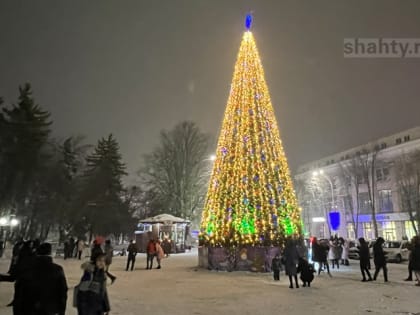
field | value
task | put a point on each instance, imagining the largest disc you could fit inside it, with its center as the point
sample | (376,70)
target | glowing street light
(3,221)
(14,222)
(212,157)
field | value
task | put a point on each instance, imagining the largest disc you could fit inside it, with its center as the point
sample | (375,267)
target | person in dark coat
(109,253)
(276,267)
(364,259)
(291,258)
(306,271)
(411,246)
(15,253)
(320,255)
(41,289)
(132,253)
(379,259)
(72,244)
(92,296)
(23,260)
(96,251)
(151,253)
(415,257)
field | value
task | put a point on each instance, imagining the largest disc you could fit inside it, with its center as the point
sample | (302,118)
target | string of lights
(250,198)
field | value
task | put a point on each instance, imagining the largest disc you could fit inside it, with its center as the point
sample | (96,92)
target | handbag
(82,286)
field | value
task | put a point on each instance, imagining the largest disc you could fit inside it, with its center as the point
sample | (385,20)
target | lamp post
(320,173)
(8,221)
(315,174)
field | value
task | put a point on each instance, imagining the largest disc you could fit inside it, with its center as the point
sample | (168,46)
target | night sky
(134,67)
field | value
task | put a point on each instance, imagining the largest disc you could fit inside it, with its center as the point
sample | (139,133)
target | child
(276,267)
(306,271)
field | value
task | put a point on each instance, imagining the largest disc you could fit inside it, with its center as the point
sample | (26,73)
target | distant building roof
(394,141)
(164,218)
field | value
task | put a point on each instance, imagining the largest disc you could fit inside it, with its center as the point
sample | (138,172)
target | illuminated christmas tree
(250,199)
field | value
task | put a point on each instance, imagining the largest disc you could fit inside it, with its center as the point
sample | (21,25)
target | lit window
(385,201)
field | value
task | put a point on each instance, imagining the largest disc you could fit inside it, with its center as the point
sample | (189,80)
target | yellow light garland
(250,199)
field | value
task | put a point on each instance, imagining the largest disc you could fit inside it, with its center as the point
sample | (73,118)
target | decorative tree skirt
(243,258)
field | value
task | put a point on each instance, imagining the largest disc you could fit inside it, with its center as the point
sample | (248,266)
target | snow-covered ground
(180,288)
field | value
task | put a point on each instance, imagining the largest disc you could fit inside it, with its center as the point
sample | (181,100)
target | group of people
(338,251)
(73,248)
(154,249)
(295,263)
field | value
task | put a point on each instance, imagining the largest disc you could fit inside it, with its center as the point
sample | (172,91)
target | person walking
(96,250)
(42,288)
(160,254)
(334,252)
(364,256)
(151,253)
(291,259)
(80,248)
(23,260)
(132,252)
(92,294)
(109,253)
(379,259)
(415,257)
(276,267)
(72,244)
(411,246)
(319,253)
(345,251)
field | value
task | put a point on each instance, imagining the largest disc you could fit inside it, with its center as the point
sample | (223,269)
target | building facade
(337,193)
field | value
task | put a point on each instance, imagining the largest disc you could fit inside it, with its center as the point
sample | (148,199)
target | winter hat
(44,249)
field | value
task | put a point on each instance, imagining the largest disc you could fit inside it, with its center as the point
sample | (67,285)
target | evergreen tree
(104,211)
(25,128)
(250,199)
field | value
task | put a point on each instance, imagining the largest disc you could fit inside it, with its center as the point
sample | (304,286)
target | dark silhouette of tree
(25,128)
(407,171)
(101,198)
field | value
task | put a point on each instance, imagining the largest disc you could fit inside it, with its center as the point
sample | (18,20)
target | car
(396,251)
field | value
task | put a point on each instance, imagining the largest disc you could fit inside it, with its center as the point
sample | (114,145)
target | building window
(406,138)
(367,231)
(348,202)
(385,201)
(389,231)
(379,176)
(398,141)
(364,203)
(409,230)
(385,173)
(382,174)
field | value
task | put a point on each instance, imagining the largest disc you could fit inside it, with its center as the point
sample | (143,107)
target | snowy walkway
(181,288)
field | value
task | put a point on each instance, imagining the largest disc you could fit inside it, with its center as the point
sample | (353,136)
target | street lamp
(317,173)
(320,173)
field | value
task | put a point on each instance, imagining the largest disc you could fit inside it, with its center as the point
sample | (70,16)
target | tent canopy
(165,219)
